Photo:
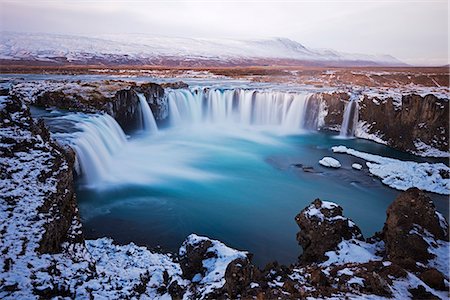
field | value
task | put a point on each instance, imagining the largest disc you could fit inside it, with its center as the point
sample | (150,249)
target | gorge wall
(414,123)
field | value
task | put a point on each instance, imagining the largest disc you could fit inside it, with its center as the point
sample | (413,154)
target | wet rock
(322,228)
(434,279)
(410,219)
(335,104)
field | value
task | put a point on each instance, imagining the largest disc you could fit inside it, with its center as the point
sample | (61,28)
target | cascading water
(97,139)
(148,120)
(350,119)
(285,111)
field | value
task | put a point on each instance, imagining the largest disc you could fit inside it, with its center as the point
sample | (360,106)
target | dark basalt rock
(420,293)
(191,261)
(322,228)
(434,279)
(335,106)
(238,276)
(408,216)
(418,118)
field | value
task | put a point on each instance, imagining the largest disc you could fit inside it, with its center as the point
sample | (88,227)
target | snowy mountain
(144,49)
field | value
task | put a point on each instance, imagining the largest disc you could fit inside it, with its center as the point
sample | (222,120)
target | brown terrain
(317,76)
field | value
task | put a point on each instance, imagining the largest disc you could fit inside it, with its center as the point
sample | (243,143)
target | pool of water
(238,185)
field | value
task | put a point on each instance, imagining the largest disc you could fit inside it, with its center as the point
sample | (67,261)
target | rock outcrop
(322,228)
(412,227)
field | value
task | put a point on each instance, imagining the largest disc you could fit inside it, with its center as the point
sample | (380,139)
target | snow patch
(403,175)
(330,162)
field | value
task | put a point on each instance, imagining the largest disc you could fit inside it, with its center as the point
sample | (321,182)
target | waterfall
(148,120)
(99,137)
(282,110)
(350,119)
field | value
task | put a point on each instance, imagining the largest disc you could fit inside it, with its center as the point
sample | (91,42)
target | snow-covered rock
(330,162)
(356,166)
(402,175)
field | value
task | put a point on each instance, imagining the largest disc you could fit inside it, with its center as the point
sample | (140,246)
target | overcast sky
(416,32)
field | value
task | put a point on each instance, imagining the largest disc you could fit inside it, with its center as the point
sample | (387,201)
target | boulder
(322,228)
(412,221)
(434,279)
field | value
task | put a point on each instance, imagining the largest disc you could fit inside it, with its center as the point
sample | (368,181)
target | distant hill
(37,48)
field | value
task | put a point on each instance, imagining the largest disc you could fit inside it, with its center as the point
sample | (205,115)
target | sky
(415,32)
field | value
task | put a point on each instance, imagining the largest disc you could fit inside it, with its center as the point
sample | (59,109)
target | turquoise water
(239,186)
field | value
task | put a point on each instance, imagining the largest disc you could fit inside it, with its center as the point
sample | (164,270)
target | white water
(148,120)
(350,119)
(280,111)
(105,156)
(99,139)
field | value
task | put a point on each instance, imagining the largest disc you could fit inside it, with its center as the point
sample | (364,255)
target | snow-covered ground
(46,47)
(402,175)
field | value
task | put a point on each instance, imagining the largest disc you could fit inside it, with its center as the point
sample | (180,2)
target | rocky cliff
(117,98)
(414,123)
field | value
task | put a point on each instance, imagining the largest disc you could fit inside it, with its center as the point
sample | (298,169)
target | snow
(356,280)
(403,175)
(330,162)
(215,266)
(429,151)
(312,212)
(352,251)
(125,266)
(345,271)
(356,166)
(45,47)
(439,248)
(362,131)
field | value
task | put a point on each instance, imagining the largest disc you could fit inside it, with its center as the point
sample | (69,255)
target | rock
(335,104)
(117,98)
(330,162)
(176,291)
(356,166)
(418,118)
(322,228)
(238,276)
(408,217)
(175,85)
(434,279)
(192,253)
(319,278)
(420,293)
